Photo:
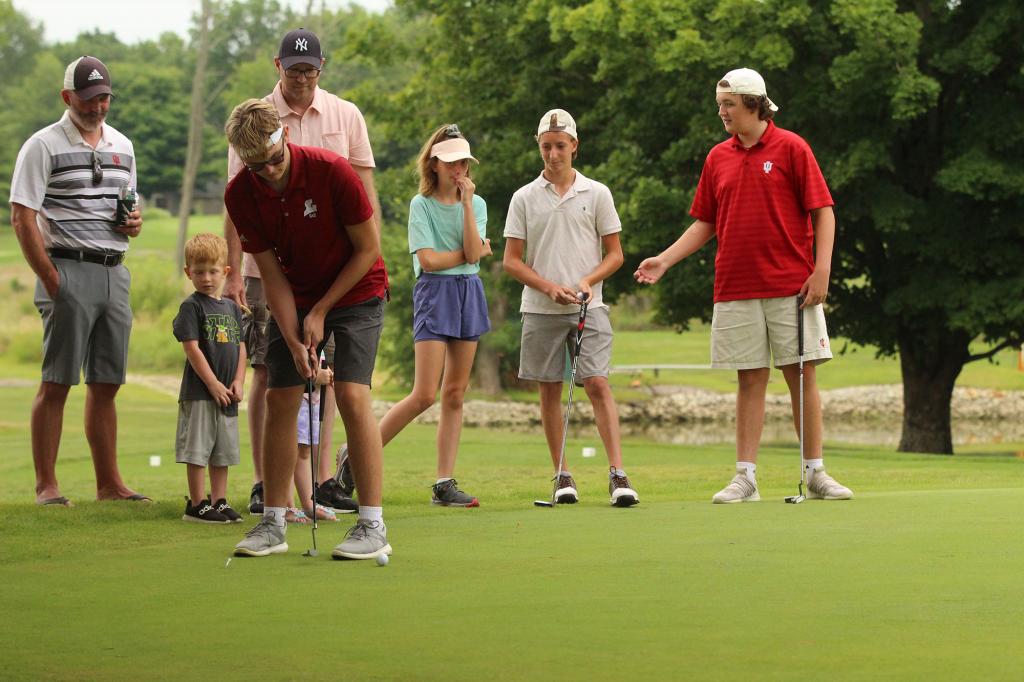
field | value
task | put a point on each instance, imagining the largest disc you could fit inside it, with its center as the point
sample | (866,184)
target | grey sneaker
(365,540)
(344,475)
(264,538)
(740,489)
(821,486)
(566,493)
(621,492)
(447,494)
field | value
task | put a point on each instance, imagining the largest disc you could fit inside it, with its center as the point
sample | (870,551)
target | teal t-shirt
(437,226)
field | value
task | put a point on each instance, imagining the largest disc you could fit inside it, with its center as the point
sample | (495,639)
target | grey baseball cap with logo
(300,47)
(87,77)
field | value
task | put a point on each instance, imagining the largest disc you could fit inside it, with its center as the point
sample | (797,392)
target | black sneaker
(330,494)
(447,494)
(224,508)
(202,513)
(256,499)
(344,475)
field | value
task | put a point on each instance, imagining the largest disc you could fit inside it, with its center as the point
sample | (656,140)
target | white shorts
(304,419)
(750,334)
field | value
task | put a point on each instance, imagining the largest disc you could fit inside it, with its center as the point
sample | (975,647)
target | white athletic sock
(442,480)
(371,513)
(278,514)
(811,464)
(749,470)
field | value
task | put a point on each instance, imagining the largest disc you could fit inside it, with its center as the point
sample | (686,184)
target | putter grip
(323,391)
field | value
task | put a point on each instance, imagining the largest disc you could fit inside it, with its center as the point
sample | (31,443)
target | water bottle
(126,201)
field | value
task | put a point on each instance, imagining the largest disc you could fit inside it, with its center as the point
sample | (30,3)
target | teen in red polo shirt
(304,215)
(762,196)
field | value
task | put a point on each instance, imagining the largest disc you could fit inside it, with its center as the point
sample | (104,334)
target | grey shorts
(205,436)
(254,326)
(356,330)
(87,324)
(547,339)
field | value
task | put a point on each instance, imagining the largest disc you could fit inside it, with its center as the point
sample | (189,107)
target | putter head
(543,503)
(795,499)
(311,552)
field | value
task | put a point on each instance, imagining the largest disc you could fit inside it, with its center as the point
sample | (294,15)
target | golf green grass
(917,578)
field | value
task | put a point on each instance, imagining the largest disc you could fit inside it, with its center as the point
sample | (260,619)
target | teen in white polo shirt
(562,239)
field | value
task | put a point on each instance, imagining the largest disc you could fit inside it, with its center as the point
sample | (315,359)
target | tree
(895,98)
(197,122)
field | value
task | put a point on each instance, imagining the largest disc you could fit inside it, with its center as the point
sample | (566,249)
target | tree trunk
(197,120)
(930,371)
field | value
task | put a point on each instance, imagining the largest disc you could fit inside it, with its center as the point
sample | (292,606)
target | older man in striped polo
(64,197)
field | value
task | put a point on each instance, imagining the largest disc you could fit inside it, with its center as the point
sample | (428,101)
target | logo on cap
(95,75)
(301,45)
(553,122)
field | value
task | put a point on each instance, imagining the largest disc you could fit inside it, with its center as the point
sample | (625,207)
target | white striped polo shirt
(54,176)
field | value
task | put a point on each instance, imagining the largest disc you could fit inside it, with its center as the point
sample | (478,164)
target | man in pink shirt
(313,118)
(763,197)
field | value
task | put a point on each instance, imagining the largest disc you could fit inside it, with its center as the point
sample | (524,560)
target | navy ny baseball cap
(300,47)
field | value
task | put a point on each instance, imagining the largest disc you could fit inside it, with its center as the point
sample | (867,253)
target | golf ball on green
(382,559)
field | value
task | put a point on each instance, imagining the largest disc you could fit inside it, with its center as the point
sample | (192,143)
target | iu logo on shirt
(310,209)
(767,167)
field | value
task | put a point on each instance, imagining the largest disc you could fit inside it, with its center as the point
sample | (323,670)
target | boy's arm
(815,289)
(281,302)
(513,264)
(238,384)
(365,252)
(611,262)
(234,288)
(221,394)
(697,235)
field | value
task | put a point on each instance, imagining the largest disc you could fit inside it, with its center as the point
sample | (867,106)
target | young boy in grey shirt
(209,329)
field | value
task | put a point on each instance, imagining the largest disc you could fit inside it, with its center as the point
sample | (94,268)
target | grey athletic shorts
(547,339)
(87,324)
(356,329)
(206,436)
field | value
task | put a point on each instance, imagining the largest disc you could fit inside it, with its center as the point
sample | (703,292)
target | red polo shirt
(759,201)
(305,225)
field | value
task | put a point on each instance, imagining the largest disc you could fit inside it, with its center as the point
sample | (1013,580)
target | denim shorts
(449,308)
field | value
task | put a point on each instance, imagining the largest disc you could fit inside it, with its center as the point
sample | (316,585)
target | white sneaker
(740,489)
(821,486)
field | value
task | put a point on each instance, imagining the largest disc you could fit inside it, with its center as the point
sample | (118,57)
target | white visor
(454,149)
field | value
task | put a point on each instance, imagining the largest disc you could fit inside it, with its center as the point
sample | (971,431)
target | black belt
(108,259)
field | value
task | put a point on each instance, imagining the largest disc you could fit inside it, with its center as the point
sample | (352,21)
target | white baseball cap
(557,121)
(452,149)
(746,82)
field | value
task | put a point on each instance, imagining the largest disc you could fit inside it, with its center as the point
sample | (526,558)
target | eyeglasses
(274,160)
(97,168)
(308,74)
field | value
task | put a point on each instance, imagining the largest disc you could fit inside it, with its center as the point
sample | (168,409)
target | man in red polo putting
(303,214)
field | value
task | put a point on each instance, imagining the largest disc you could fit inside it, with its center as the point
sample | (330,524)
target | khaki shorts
(254,326)
(752,333)
(548,337)
(206,436)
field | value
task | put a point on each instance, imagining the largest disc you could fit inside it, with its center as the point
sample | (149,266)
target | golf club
(314,455)
(568,408)
(799,497)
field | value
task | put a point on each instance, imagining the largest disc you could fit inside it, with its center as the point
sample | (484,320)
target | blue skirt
(447,307)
